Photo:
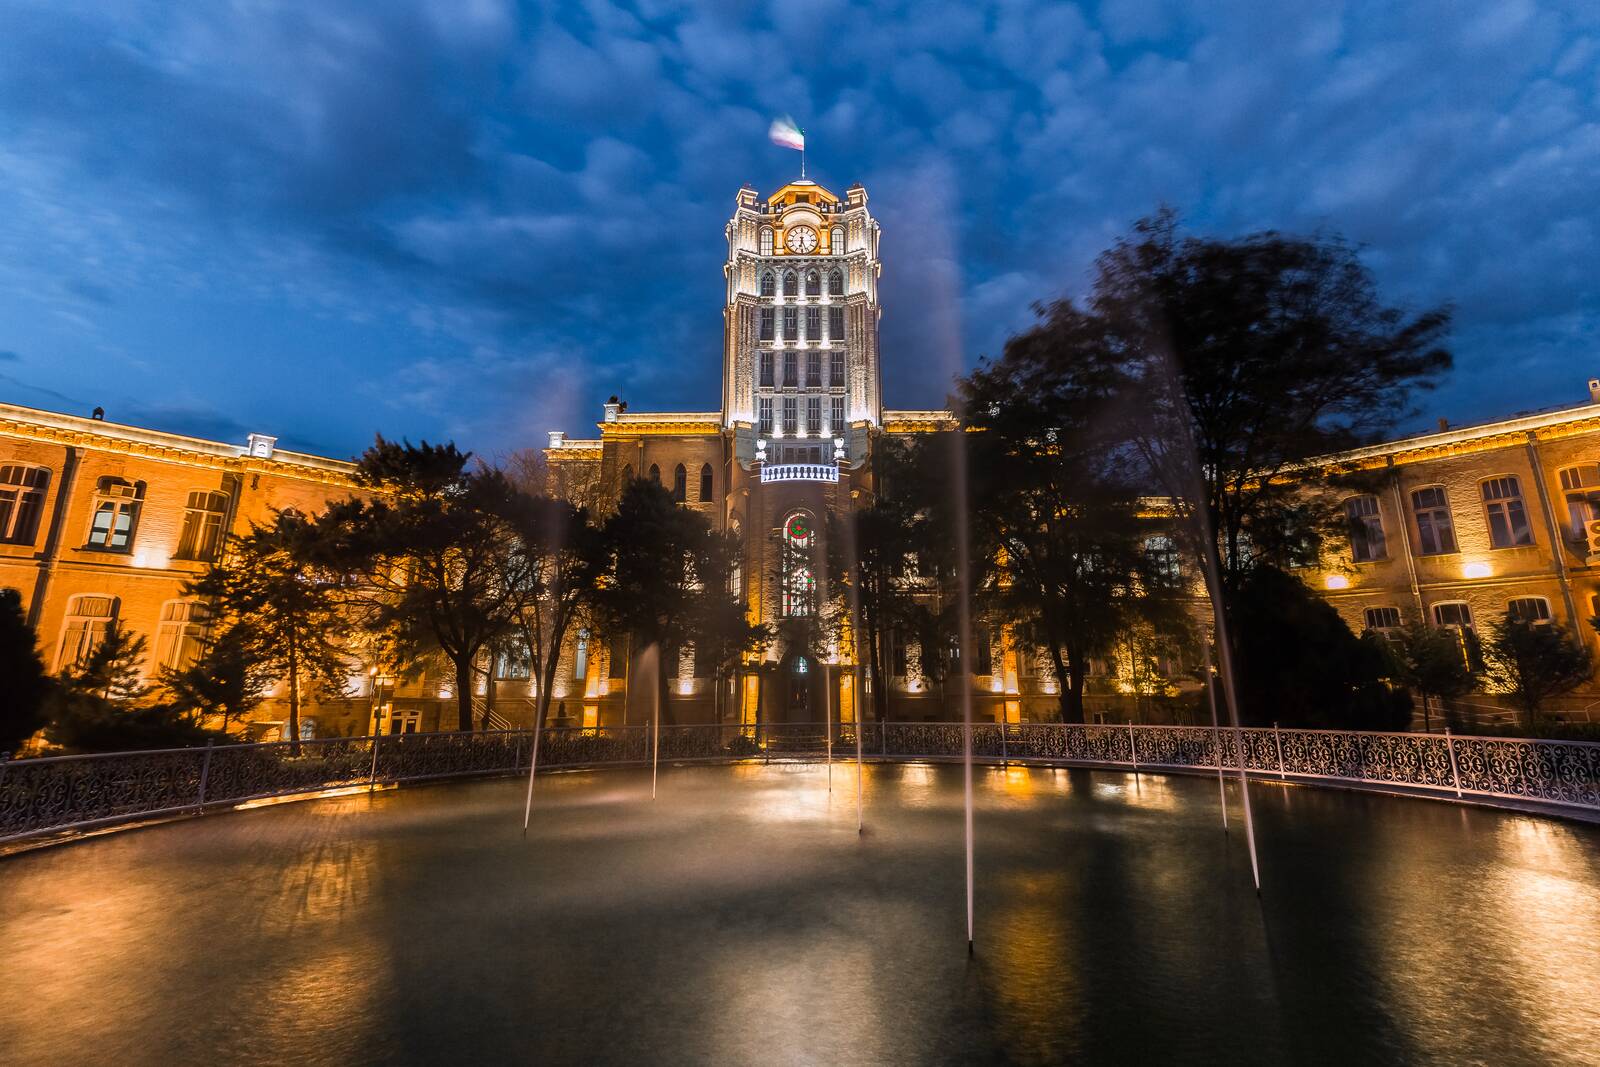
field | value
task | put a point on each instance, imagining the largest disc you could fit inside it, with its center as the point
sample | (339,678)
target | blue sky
(472,219)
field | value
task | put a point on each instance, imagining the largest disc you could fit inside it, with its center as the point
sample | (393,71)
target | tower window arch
(705,482)
(769,284)
(836,240)
(813,283)
(835,282)
(791,284)
(655,473)
(766,240)
(680,484)
(798,538)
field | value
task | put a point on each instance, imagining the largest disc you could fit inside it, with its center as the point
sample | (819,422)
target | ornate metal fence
(67,792)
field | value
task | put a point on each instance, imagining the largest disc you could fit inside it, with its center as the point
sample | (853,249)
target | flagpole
(802,155)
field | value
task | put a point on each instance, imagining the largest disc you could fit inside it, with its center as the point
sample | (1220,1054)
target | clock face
(801,239)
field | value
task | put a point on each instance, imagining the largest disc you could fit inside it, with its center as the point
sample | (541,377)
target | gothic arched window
(766,240)
(680,484)
(791,284)
(835,283)
(705,482)
(769,284)
(813,283)
(655,473)
(799,540)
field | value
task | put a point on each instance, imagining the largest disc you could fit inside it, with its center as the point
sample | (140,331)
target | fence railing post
(1004,728)
(1277,743)
(883,738)
(1133,747)
(205,773)
(372,773)
(1455,773)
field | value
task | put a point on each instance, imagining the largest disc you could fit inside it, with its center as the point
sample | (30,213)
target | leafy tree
(26,686)
(1299,664)
(1532,662)
(276,605)
(432,554)
(225,680)
(559,557)
(1239,358)
(1430,661)
(1059,526)
(720,617)
(666,574)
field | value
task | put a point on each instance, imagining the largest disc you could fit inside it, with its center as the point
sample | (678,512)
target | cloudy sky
(476,219)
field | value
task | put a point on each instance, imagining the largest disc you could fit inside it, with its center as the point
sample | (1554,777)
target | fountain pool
(741,919)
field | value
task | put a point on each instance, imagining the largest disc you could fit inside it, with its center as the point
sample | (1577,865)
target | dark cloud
(479,218)
(8,356)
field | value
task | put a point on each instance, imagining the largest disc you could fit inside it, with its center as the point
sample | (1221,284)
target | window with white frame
(1580,486)
(791,368)
(837,423)
(813,414)
(836,324)
(1436,531)
(580,657)
(814,369)
(1528,609)
(22,490)
(181,634)
(1382,619)
(202,526)
(88,620)
(1366,529)
(791,416)
(116,514)
(766,240)
(764,415)
(1453,613)
(836,368)
(1507,518)
(813,324)
(836,242)
(791,324)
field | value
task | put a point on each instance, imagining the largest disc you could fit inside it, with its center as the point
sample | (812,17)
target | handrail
(56,793)
(799,472)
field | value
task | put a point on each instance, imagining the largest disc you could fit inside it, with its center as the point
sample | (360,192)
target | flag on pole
(785,134)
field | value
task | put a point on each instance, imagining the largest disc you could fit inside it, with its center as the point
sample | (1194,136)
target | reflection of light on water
(1034,985)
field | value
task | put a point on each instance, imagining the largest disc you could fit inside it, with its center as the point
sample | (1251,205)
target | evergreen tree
(225,680)
(25,686)
(277,605)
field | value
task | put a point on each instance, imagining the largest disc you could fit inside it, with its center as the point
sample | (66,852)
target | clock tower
(800,379)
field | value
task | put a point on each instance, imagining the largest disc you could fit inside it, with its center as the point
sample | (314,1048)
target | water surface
(740,919)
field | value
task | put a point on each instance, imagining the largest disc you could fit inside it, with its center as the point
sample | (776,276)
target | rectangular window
(1366,529)
(791,371)
(181,635)
(837,425)
(617,652)
(791,324)
(836,324)
(1436,533)
(766,368)
(1453,613)
(791,417)
(1508,520)
(814,324)
(1383,618)
(1529,609)
(202,526)
(21,502)
(766,241)
(1581,487)
(87,622)
(982,652)
(580,657)
(813,414)
(768,322)
(1163,554)
(814,369)
(764,407)
(836,369)
(116,509)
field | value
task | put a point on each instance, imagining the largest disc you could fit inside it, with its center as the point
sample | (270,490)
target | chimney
(1444,424)
(1594,390)
(99,414)
(612,407)
(260,446)
(555,438)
